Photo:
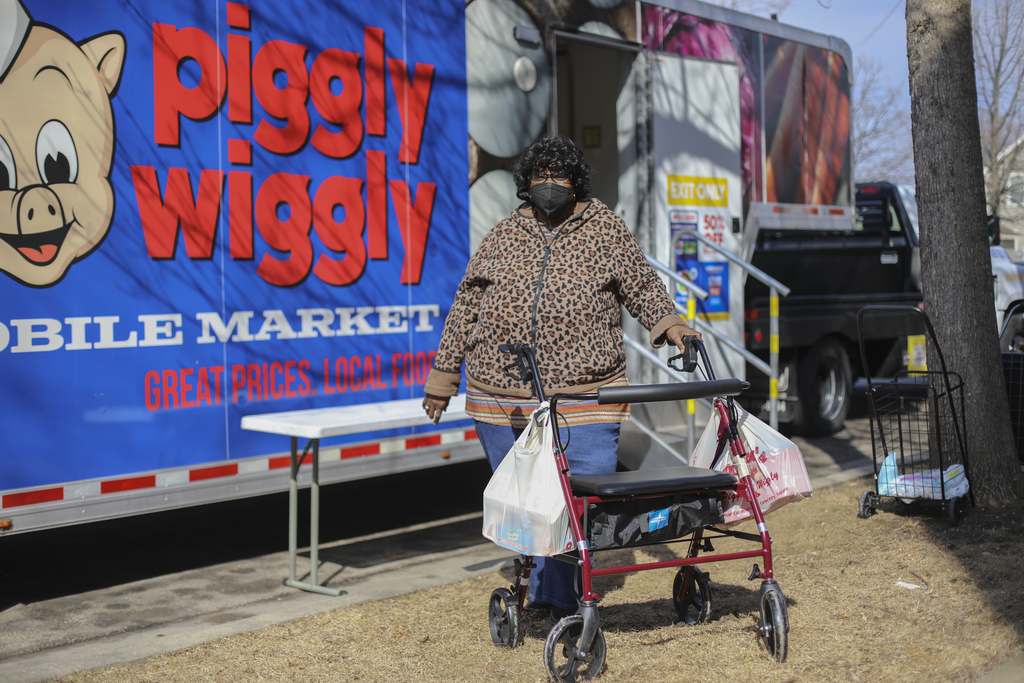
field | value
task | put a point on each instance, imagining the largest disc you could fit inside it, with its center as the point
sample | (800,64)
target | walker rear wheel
(560,657)
(695,606)
(775,624)
(503,616)
(955,509)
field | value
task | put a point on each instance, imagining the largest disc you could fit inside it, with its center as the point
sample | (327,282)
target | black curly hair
(556,154)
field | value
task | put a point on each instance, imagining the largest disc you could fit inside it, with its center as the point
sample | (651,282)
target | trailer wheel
(824,386)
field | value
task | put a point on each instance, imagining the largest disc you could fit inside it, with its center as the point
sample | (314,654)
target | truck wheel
(824,385)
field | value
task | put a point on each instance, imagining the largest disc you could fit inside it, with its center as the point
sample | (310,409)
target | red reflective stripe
(213,472)
(358,451)
(421,441)
(278,463)
(471,434)
(12,500)
(836,212)
(128,484)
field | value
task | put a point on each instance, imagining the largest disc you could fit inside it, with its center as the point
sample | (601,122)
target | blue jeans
(592,449)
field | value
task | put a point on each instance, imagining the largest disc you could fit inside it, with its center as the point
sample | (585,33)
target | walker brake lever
(689,356)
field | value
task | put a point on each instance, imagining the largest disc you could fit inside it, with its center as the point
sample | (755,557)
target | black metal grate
(919,426)
(1013,371)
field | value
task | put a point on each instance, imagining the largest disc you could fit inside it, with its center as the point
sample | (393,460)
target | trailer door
(594,105)
(695,122)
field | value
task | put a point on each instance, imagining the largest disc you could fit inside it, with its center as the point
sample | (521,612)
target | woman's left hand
(676,333)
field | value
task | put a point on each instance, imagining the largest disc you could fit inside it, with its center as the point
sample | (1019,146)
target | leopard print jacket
(564,298)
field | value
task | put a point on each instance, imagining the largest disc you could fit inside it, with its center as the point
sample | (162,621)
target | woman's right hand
(435,405)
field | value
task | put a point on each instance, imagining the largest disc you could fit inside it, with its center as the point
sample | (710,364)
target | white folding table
(321,423)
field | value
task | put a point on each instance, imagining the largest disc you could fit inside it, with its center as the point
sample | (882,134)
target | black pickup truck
(831,275)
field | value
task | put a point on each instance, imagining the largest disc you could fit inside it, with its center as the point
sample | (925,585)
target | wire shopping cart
(918,433)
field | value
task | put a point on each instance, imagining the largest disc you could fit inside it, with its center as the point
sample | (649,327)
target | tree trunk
(955,264)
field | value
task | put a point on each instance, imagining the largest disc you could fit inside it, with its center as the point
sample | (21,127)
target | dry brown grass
(850,622)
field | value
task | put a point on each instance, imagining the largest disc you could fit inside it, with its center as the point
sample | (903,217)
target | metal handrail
(756,272)
(774,289)
(675,277)
(705,328)
(771,369)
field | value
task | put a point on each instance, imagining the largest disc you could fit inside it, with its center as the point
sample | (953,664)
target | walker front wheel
(775,624)
(869,502)
(561,658)
(503,616)
(694,605)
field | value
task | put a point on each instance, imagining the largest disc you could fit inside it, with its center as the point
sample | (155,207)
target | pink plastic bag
(775,464)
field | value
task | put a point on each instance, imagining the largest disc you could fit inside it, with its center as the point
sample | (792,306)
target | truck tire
(824,386)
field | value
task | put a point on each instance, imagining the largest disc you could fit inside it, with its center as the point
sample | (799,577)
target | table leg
(293,511)
(313,585)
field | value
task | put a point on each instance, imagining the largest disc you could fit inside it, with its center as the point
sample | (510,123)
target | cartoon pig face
(56,151)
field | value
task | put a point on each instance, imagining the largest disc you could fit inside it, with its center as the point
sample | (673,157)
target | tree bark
(955,264)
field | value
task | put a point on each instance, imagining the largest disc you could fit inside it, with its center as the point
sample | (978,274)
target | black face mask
(551,199)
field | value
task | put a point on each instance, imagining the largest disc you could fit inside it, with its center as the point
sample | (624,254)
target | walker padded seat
(664,480)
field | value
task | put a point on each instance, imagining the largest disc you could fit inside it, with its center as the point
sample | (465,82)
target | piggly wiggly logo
(56,145)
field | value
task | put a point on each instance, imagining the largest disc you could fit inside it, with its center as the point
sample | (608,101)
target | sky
(860,24)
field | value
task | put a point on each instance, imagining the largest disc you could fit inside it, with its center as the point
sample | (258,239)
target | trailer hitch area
(755,573)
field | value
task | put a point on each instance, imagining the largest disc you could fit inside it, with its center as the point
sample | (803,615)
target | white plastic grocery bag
(775,462)
(524,509)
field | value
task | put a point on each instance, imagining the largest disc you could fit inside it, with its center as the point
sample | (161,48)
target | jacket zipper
(536,295)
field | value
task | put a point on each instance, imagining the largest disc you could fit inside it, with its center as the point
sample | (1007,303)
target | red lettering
(240,214)
(306,385)
(170,388)
(161,217)
(396,359)
(422,368)
(216,371)
(171,47)
(237,381)
(186,402)
(413,224)
(377,204)
(266,382)
(353,380)
(153,394)
(408,370)
(369,381)
(328,389)
(381,384)
(373,47)
(342,109)
(288,103)
(239,79)
(255,381)
(291,235)
(346,236)
(412,94)
(289,378)
(341,375)
(275,390)
(203,387)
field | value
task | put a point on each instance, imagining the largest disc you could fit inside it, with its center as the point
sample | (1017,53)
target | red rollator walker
(615,510)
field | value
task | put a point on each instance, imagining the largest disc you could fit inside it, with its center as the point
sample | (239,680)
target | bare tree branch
(882,146)
(998,27)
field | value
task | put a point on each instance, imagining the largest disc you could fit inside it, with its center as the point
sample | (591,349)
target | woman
(554,274)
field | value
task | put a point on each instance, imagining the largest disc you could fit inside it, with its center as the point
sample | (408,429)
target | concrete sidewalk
(131,621)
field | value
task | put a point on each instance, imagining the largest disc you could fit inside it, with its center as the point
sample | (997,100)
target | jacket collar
(574,222)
